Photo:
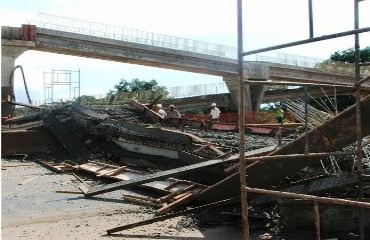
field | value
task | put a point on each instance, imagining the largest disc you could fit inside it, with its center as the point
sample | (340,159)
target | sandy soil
(31,209)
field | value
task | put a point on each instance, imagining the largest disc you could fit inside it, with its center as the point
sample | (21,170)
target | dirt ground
(31,209)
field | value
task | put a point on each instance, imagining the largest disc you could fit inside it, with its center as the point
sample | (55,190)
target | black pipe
(24,81)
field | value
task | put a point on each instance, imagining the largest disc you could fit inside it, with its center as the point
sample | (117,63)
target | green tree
(136,88)
(348,55)
(343,60)
(85,98)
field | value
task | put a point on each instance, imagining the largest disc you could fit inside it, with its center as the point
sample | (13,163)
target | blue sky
(266,23)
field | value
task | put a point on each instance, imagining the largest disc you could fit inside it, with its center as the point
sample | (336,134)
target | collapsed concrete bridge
(16,40)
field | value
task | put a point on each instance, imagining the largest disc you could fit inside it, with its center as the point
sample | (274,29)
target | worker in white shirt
(161,112)
(215,113)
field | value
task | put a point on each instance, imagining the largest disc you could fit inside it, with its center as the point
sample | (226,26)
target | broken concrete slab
(66,136)
(28,141)
(156,132)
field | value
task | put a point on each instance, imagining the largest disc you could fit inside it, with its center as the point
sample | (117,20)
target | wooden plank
(176,193)
(112,172)
(216,150)
(61,167)
(171,215)
(84,187)
(176,182)
(142,202)
(69,192)
(186,198)
(180,196)
(189,182)
(145,198)
(155,176)
(99,169)
(77,177)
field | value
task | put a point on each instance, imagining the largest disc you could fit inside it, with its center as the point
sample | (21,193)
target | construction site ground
(32,209)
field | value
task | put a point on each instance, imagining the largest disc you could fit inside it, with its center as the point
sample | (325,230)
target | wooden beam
(69,192)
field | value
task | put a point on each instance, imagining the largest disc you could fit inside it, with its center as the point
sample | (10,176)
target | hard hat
(171,106)
(213,105)
(159,105)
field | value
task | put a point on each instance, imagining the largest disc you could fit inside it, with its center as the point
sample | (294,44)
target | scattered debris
(198,164)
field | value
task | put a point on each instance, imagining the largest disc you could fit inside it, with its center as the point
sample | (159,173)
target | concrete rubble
(182,167)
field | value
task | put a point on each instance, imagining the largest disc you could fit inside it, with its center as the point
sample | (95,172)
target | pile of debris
(181,164)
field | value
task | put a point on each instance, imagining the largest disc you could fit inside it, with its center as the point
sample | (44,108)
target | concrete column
(256,71)
(232,83)
(11,49)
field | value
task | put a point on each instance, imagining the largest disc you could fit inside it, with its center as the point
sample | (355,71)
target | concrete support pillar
(256,71)
(253,94)
(232,83)
(11,49)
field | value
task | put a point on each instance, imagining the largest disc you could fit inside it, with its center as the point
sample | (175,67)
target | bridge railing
(133,35)
(172,42)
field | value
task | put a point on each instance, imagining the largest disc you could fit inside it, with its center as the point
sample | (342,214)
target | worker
(160,111)
(215,113)
(279,114)
(172,112)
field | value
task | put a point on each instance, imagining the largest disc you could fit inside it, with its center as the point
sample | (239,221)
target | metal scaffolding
(306,154)
(68,80)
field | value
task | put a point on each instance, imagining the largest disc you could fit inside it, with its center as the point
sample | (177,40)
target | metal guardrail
(178,43)
(133,35)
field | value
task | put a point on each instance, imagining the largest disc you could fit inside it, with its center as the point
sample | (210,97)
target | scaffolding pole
(358,115)
(310,40)
(242,171)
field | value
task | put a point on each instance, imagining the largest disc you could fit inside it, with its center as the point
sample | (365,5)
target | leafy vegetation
(348,55)
(343,60)
(126,90)
(141,90)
